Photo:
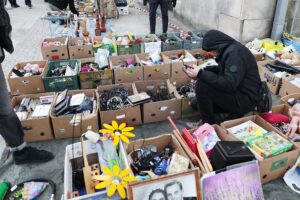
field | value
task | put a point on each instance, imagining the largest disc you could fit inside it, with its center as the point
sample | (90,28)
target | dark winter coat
(237,70)
(63,4)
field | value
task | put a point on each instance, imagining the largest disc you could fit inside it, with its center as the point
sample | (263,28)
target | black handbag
(264,104)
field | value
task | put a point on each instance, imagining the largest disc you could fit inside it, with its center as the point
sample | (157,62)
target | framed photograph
(185,185)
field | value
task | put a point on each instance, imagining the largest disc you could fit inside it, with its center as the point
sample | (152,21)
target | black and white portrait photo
(175,187)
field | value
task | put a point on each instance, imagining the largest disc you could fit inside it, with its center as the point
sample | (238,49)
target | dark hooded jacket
(63,4)
(237,70)
(5,30)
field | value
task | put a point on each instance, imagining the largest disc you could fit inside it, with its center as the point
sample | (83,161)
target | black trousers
(28,2)
(211,101)
(10,125)
(153,4)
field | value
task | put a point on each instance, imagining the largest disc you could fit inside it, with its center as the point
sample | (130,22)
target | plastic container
(194,43)
(175,44)
(56,84)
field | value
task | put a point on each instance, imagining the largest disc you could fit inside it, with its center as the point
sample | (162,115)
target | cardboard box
(284,100)
(273,82)
(271,168)
(186,109)
(125,75)
(62,127)
(38,129)
(80,51)
(197,51)
(90,80)
(76,161)
(160,110)
(177,67)
(131,115)
(148,47)
(98,44)
(154,72)
(27,85)
(56,52)
(288,88)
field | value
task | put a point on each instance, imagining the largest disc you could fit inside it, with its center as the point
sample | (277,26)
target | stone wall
(242,19)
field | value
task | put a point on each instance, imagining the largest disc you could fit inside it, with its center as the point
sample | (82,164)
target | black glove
(5,30)
(174,3)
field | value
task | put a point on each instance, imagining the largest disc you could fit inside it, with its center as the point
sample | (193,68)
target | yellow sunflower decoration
(118,132)
(114,180)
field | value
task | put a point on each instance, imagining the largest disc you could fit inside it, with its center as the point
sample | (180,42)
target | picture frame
(183,182)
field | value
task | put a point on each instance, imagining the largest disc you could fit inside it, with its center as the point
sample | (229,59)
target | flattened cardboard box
(186,109)
(197,51)
(62,127)
(39,129)
(89,80)
(56,52)
(80,51)
(284,100)
(274,167)
(125,75)
(160,110)
(131,115)
(27,85)
(154,72)
(288,88)
(177,67)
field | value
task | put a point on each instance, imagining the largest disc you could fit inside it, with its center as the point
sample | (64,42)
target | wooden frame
(194,172)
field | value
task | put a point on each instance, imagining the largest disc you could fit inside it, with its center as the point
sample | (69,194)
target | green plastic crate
(89,80)
(129,49)
(109,47)
(176,45)
(56,84)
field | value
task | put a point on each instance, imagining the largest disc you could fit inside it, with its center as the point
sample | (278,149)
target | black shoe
(30,155)
(15,5)
(29,6)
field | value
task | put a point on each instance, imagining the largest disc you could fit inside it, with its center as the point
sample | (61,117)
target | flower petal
(124,183)
(127,129)
(115,125)
(123,125)
(129,178)
(102,185)
(106,131)
(129,134)
(124,173)
(121,191)
(116,170)
(102,178)
(107,171)
(107,126)
(116,140)
(111,190)
(124,138)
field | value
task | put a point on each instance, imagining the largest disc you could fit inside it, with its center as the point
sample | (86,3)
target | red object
(275,118)
(190,140)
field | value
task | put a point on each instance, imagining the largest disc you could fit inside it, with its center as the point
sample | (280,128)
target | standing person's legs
(164,4)
(209,98)
(153,4)
(10,126)
(28,3)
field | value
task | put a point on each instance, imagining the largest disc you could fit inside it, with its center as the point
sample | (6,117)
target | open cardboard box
(197,51)
(149,47)
(76,161)
(38,129)
(177,67)
(154,72)
(125,75)
(288,88)
(89,80)
(131,115)
(273,82)
(186,109)
(56,52)
(27,85)
(284,100)
(271,168)
(80,51)
(62,127)
(160,110)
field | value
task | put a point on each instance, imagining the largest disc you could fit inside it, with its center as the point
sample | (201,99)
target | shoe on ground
(29,6)
(30,155)
(15,5)
(193,125)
